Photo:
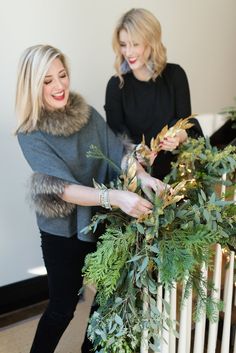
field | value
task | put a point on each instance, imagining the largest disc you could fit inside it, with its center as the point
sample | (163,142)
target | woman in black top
(147,93)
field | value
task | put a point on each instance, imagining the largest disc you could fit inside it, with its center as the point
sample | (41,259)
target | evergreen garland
(134,257)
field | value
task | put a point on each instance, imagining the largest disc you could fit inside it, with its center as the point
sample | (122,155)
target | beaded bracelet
(104,199)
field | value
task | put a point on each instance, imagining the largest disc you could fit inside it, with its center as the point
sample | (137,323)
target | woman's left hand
(171,143)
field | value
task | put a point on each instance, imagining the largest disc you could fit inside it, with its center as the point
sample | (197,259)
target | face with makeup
(136,53)
(56,86)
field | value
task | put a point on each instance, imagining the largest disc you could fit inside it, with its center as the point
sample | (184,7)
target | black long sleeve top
(145,107)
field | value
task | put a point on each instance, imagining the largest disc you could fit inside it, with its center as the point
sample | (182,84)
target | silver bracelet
(104,199)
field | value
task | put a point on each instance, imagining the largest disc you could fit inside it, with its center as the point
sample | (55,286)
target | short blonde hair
(140,23)
(33,66)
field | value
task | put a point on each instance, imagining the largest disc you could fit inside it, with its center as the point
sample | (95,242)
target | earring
(124,67)
(150,65)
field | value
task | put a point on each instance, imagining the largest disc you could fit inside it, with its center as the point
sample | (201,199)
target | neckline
(140,81)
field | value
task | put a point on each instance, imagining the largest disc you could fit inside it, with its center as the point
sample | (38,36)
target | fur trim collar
(66,121)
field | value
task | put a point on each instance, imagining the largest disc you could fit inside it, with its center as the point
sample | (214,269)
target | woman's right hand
(130,203)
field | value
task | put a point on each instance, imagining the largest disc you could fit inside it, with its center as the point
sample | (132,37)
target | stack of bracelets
(104,198)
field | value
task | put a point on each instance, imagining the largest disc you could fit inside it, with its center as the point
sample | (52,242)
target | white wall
(199,35)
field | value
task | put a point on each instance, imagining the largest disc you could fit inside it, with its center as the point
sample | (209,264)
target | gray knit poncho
(56,152)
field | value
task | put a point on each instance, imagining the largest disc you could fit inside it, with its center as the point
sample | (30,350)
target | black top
(145,107)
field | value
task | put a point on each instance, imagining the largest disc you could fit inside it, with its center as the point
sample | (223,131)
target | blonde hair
(33,66)
(140,23)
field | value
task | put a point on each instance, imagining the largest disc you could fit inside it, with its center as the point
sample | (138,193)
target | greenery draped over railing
(135,256)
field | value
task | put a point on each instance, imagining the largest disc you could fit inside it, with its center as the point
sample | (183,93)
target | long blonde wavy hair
(140,23)
(33,66)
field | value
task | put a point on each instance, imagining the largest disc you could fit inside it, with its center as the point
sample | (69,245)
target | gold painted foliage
(130,181)
(171,195)
(147,153)
(182,124)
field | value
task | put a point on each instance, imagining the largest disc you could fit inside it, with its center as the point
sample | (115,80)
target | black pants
(64,260)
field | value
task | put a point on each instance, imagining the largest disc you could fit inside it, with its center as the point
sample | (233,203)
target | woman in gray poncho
(55,130)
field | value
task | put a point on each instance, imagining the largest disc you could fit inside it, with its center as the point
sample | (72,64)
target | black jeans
(64,260)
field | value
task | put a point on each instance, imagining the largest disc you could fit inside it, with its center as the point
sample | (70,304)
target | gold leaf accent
(132,186)
(131,167)
(147,153)
(154,144)
(175,194)
(130,179)
(170,200)
(182,124)
(143,218)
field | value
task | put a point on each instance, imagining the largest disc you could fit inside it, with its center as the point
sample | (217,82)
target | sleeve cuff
(44,194)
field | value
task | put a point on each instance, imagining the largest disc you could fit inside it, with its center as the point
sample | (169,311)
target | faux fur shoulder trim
(66,121)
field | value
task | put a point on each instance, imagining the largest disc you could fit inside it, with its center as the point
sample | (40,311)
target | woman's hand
(150,184)
(171,143)
(130,203)
(145,156)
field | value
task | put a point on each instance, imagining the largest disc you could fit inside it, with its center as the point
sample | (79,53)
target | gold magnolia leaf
(179,187)
(130,181)
(175,194)
(131,167)
(133,184)
(129,184)
(143,150)
(143,140)
(143,218)
(181,124)
(145,155)
(151,265)
(170,200)
(154,144)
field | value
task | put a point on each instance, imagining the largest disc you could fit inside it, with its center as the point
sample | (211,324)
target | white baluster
(201,323)
(213,327)
(159,301)
(165,328)
(183,335)
(189,321)
(173,300)
(223,187)
(228,306)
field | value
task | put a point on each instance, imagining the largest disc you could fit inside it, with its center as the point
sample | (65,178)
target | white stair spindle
(201,323)
(228,306)
(213,326)
(173,304)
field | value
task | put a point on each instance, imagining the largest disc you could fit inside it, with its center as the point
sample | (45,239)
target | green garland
(134,257)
